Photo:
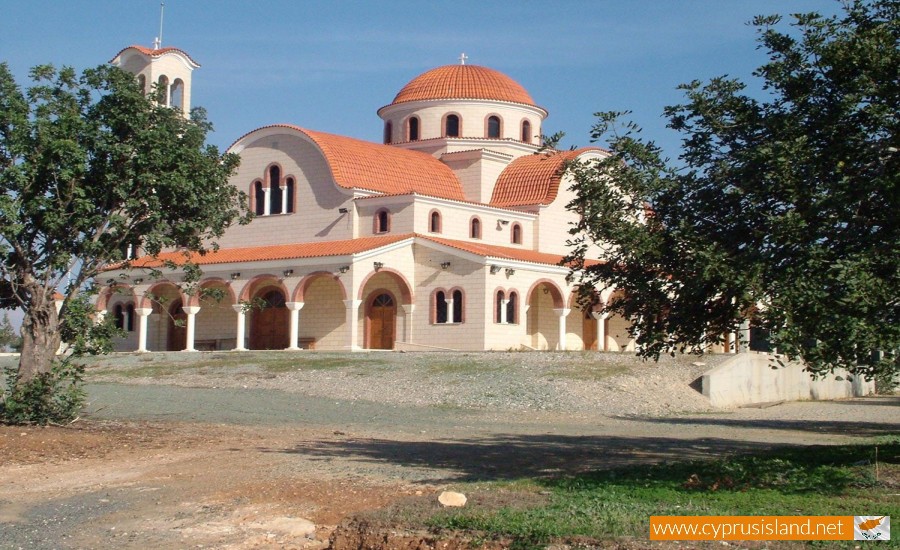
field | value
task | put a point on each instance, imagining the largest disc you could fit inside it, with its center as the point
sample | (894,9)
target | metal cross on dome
(462,58)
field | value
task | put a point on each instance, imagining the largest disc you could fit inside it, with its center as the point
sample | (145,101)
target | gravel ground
(609,384)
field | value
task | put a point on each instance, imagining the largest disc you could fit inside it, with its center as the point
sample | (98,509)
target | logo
(872,527)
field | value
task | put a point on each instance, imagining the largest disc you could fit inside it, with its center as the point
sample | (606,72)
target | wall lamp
(378,265)
(138,281)
(288,272)
(235,276)
(510,272)
(495,269)
(445,265)
(344,268)
(342,210)
(503,222)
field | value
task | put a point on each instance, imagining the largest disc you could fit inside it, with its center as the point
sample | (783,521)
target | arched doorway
(270,325)
(177,338)
(381,318)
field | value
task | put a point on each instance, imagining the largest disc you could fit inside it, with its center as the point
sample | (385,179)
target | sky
(329,65)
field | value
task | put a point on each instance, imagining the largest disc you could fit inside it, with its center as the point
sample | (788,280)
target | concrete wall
(749,378)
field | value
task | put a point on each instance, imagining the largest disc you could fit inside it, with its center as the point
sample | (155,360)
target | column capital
(294,306)
(238,308)
(144,311)
(563,311)
(408,308)
(352,304)
(191,310)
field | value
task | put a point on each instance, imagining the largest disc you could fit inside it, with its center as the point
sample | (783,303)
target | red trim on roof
(155,53)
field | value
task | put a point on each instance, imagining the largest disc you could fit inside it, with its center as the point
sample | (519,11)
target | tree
(782,211)
(88,166)
(9,340)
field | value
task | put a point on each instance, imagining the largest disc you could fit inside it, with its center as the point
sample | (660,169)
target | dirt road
(172,467)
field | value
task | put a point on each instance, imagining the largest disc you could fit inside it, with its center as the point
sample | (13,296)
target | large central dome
(463,82)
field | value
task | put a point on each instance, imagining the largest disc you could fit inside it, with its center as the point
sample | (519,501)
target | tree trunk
(40,336)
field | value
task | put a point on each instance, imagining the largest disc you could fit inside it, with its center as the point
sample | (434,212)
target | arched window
(259,199)
(177,94)
(289,184)
(499,307)
(129,318)
(388,130)
(275,192)
(434,222)
(493,127)
(451,126)
(382,221)
(142,83)
(413,128)
(163,89)
(440,307)
(526,131)
(512,310)
(457,306)
(516,234)
(475,228)
(119,313)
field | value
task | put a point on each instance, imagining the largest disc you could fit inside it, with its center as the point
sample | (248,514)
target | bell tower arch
(164,68)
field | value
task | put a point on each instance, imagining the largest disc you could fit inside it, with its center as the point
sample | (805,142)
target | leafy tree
(88,166)
(783,209)
(9,340)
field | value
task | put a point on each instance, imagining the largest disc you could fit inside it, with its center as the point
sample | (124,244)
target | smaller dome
(463,82)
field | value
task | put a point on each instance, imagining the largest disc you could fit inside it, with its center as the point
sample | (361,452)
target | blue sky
(329,66)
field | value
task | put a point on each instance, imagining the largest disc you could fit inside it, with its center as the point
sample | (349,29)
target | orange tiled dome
(463,82)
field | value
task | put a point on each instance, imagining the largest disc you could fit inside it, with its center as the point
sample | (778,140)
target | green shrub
(53,397)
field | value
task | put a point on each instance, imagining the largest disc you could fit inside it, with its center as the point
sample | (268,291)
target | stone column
(407,320)
(241,323)
(449,303)
(503,303)
(267,201)
(191,325)
(353,322)
(284,199)
(143,321)
(294,308)
(562,312)
(601,329)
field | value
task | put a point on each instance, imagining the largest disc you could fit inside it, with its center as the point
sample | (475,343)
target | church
(448,235)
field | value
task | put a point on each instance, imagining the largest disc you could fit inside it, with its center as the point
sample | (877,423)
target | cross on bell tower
(462,58)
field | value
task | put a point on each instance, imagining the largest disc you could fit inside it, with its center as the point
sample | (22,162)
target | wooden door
(381,320)
(177,339)
(270,325)
(589,331)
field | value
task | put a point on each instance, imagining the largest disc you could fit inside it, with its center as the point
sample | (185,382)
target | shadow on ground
(504,457)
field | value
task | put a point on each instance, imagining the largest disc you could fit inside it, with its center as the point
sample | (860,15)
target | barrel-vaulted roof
(533,179)
(358,164)
(463,82)
(156,53)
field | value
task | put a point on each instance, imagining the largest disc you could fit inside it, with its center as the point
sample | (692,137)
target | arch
(142,83)
(439,312)
(194,300)
(512,308)
(107,293)
(381,221)
(269,325)
(257,198)
(300,290)
(381,319)
(458,295)
(526,131)
(515,234)
(129,320)
(273,178)
(406,295)
(388,132)
(289,182)
(147,302)
(474,227)
(434,221)
(260,281)
(554,290)
(452,125)
(499,297)
(177,94)
(162,88)
(176,339)
(119,316)
(412,128)
(493,126)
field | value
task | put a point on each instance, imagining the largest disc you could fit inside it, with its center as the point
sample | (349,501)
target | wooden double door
(270,325)
(381,319)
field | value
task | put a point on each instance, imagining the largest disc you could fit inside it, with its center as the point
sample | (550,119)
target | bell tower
(167,68)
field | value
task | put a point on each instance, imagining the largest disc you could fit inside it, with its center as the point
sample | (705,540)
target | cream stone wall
(402,218)
(456,222)
(317,198)
(477,171)
(216,324)
(323,316)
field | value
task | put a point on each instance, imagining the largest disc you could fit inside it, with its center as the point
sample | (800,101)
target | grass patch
(827,480)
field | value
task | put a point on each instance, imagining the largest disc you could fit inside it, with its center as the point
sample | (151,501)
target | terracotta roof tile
(463,82)
(532,179)
(502,252)
(155,53)
(358,164)
(275,252)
